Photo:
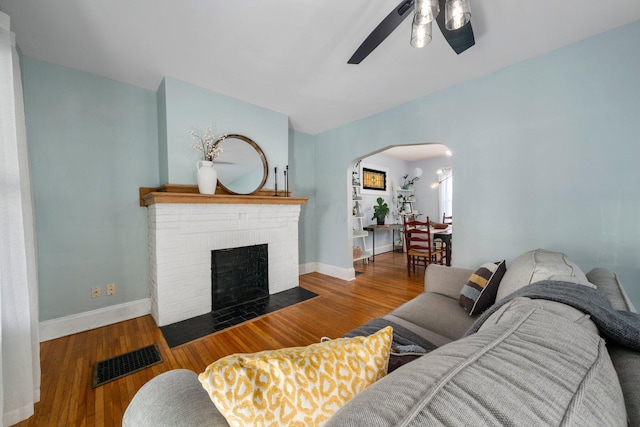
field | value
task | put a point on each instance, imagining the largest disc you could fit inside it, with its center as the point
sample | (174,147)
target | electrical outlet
(95,292)
(111,289)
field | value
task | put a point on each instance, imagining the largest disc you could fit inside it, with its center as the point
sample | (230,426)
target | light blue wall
(545,155)
(302,183)
(92,143)
(189,107)
(162,134)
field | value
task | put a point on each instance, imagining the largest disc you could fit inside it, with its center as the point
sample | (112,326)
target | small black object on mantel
(286,181)
(275,175)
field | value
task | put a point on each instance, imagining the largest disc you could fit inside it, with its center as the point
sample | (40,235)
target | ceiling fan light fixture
(456,14)
(426,11)
(420,34)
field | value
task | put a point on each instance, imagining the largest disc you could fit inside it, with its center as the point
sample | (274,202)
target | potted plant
(206,174)
(380,211)
(408,183)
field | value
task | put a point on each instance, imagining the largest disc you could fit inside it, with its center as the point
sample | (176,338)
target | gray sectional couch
(532,362)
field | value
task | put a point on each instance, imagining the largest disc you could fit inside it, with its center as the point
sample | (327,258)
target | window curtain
(19,340)
(445,190)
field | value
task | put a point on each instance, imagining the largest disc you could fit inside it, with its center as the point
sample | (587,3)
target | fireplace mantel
(174,193)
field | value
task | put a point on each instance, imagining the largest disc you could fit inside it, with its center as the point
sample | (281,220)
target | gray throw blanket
(405,347)
(622,327)
(402,337)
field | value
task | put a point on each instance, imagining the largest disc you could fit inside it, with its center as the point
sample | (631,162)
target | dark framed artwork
(374,179)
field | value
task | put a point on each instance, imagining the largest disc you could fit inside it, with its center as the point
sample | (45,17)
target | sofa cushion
(296,386)
(533,367)
(537,265)
(512,311)
(435,339)
(480,291)
(445,280)
(437,313)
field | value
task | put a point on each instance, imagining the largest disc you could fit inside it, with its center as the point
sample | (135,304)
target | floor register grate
(125,364)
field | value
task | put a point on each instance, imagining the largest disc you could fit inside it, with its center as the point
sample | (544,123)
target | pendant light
(420,34)
(426,10)
(456,14)
(424,13)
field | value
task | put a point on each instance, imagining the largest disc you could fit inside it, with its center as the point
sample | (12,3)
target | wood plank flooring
(67,398)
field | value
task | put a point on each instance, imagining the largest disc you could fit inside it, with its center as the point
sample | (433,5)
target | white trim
(337,272)
(382,249)
(347,274)
(310,267)
(329,270)
(74,323)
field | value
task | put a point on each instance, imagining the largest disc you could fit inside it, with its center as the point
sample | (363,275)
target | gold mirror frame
(221,178)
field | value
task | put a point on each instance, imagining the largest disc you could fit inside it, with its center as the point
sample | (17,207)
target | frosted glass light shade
(425,11)
(420,34)
(456,14)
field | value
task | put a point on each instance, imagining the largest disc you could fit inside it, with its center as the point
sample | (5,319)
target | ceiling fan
(455,25)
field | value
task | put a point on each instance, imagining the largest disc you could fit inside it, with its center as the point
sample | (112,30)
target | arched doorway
(418,169)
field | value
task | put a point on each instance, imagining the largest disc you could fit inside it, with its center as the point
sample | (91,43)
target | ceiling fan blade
(460,39)
(382,31)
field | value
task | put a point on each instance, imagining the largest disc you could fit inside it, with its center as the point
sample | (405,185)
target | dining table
(445,235)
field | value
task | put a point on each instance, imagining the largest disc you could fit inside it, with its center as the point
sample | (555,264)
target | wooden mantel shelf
(172,193)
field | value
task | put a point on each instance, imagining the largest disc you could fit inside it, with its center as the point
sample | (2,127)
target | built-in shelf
(358,234)
(363,255)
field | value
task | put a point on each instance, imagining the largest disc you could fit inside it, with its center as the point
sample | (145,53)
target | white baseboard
(337,272)
(310,267)
(74,323)
(329,270)
(384,248)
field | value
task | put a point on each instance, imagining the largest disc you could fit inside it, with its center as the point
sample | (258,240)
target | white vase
(207,177)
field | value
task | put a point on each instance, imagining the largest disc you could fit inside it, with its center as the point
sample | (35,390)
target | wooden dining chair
(447,219)
(418,243)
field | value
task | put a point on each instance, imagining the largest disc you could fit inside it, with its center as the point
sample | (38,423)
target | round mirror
(242,167)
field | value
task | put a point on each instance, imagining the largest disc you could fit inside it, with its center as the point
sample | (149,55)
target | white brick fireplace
(182,236)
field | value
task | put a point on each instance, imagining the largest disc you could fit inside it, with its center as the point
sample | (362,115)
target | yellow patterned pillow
(299,386)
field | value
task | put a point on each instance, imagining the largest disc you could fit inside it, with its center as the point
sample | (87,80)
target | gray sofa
(532,362)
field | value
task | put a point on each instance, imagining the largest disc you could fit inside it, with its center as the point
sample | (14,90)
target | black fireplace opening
(240,292)
(239,275)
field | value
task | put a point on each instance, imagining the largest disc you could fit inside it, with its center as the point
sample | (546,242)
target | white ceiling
(291,55)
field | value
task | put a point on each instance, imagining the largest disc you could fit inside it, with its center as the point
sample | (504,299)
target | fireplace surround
(183,234)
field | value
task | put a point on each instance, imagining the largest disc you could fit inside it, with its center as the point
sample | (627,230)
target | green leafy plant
(408,182)
(380,211)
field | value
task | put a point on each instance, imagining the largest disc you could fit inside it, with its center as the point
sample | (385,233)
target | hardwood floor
(67,398)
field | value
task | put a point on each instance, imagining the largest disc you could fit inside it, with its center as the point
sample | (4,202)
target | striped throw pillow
(480,291)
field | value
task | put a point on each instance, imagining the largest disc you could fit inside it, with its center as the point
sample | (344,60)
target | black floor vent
(125,364)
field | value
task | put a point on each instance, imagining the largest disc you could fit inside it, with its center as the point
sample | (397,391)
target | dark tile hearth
(182,332)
